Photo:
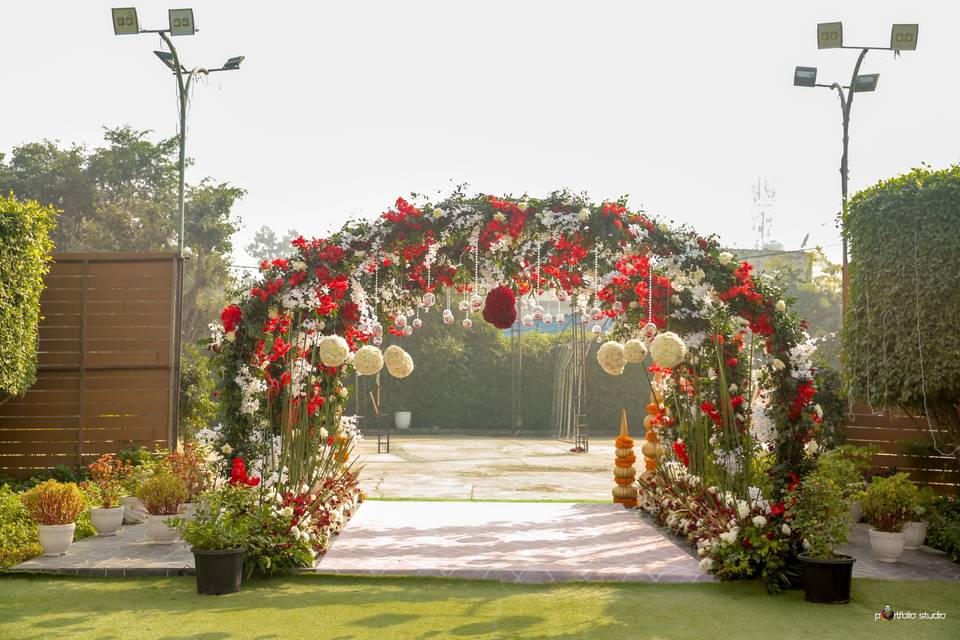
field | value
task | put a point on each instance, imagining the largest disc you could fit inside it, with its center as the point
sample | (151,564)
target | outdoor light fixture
(233,63)
(181,22)
(167,59)
(866,82)
(829,35)
(125,21)
(903,37)
(805,77)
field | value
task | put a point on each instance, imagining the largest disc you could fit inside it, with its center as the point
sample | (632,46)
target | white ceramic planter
(402,419)
(159,532)
(56,538)
(188,511)
(914,533)
(107,521)
(886,545)
(133,510)
(856,511)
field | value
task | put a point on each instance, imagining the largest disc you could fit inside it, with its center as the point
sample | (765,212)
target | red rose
(231,317)
(500,308)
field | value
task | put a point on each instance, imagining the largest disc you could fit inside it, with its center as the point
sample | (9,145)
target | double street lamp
(181,23)
(903,37)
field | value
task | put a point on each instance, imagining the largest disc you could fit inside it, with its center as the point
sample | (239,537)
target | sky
(341,107)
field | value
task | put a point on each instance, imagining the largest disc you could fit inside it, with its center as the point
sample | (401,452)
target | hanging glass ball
(417,323)
(447,312)
(596,329)
(547,318)
(584,318)
(476,302)
(377,340)
(428,299)
(649,330)
(377,329)
(467,323)
(560,318)
(618,306)
(400,321)
(528,320)
(538,313)
(464,305)
(448,319)
(596,313)
(407,330)
(562,295)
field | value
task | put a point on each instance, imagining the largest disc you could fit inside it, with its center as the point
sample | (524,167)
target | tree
(267,245)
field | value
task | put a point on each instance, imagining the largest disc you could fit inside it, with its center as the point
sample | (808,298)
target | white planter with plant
(163,495)
(886,505)
(915,531)
(54,506)
(106,476)
(134,512)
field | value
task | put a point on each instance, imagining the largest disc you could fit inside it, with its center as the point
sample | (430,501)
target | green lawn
(330,608)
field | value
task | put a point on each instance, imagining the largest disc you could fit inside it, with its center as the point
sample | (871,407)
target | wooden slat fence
(106,376)
(889,430)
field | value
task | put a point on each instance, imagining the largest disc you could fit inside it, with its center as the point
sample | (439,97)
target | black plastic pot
(219,571)
(827,580)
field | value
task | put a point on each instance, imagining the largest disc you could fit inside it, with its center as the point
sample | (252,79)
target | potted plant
(188,464)
(887,506)
(141,464)
(915,530)
(819,508)
(54,506)
(218,536)
(162,495)
(106,474)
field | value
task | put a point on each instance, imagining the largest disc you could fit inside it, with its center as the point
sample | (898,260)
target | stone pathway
(925,563)
(511,542)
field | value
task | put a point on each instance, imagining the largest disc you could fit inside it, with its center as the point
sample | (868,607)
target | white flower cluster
(250,389)
(399,363)
(216,334)
(368,360)
(611,357)
(634,350)
(668,350)
(333,350)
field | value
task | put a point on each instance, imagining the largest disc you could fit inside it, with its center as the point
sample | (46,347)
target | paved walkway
(485,468)
(511,542)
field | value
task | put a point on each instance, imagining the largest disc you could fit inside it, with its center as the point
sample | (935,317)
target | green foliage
(18,531)
(889,502)
(163,494)
(54,503)
(267,244)
(198,383)
(943,527)
(223,520)
(903,300)
(820,506)
(25,248)
(846,467)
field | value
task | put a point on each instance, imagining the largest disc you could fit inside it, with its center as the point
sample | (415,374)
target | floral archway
(288,343)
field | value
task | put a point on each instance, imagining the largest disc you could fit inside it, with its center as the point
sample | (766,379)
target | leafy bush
(889,502)
(820,506)
(54,502)
(198,410)
(943,527)
(163,494)
(24,259)
(107,477)
(223,521)
(18,531)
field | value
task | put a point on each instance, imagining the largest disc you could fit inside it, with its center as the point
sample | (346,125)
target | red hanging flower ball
(231,316)
(500,309)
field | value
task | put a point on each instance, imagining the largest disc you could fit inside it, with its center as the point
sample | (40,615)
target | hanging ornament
(538,312)
(407,330)
(561,318)
(428,299)
(377,340)
(584,318)
(618,306)
(562,295)
(475,302)
(464,305)
(596,329)
(377,329)
(400,321)
(596,313)
(547,318)
(528,320)
(649,331)
(500,309)
(467,323)
(417,323)
(448,319)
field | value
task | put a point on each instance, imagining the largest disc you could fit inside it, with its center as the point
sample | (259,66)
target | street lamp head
(829,35)
(233,63)
(125,21)
(805,77)
(866,82)
(903,37)
(167,58)
(181,22)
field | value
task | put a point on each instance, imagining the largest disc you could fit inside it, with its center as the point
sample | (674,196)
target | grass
(423,608)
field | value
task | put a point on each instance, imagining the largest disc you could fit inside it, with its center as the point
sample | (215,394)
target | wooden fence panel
(889,430)
(106,378)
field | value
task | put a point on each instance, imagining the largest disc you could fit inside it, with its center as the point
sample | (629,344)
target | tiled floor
(513,542)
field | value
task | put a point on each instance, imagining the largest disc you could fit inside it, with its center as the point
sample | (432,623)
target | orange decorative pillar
(624,473)
(652,452)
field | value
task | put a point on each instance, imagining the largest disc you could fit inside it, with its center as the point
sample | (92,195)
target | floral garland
(376,273)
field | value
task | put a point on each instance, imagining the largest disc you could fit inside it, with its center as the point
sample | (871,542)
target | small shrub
(820,507)
(18,532)
(54,502)
(943,527)
(889,502)
(163,494)
(107,477)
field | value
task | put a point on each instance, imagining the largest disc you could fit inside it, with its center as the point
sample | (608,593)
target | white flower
(759,521)
(706,565)
(610,355)
(743,509)
(729,537)
(785,529)
(304,488)
(499,217)
(368,360)
(437,212)
(668,350)
(812,447)
(287,512)
(324,434)
(227,449)
(230,336)
(725,257)
(781,305)
(333,351)
(584,214)
(299,265)
(399,363)
(778,364)
(522,205)
(806,545)
(818,410)
(634,350)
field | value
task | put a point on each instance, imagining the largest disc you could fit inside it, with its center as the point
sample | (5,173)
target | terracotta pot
(914,533)
(159,532)
(886,545)
(56,538)
(133,510)
(107,521)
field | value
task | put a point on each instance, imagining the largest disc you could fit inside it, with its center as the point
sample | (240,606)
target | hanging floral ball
(668,350)
(408,330)
(562,295)
(333,351)
(560,318)
(428,299)
(635,350)
(417,323)
(464,305)
(467,323)
(649,330)
(368,360)
(500,309)
(611,357)
(399,363)
(400,321)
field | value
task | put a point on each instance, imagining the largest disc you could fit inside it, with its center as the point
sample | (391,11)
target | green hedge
(904,236)
(25,248)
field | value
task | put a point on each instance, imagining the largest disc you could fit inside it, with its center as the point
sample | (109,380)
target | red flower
(680,448)
(238,474)
(776,510)
(500,309)
(231,317)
